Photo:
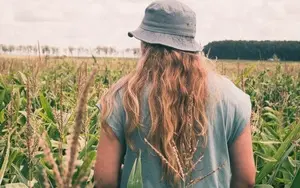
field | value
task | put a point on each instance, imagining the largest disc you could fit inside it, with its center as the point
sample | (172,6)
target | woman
(191,125)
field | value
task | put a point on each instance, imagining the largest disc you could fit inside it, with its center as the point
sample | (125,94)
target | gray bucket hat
(170,23)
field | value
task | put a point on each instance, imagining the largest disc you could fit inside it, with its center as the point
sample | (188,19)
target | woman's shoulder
(225,90)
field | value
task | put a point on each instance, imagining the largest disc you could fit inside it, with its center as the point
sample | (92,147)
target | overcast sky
(106,22)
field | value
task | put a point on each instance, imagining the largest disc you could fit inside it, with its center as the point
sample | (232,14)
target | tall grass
(49,123)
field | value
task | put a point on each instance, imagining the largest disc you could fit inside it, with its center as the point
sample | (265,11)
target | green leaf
(270,130)
(84,169)
(268,167)
(2,118)
(296,181)
(23,77)
(13,155)
(6,158)
(270,116)
(265,142)
(46,107)
(20,177)
(87,147)
(244,74)
(135,178)
(265,158)
(2,96)
(15,185)
(283,158)
(263,186)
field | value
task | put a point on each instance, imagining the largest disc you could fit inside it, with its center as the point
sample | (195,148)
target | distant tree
(105,50)
(54,50)
(19,48)
(45,50)
(111,50)
(35,49)
(136,51)
(127,50)
(253,50)
(65,50)
(80,49)
(11,48)
(98,50)
(71,50)
(86,50)
(29,49)
(4,48)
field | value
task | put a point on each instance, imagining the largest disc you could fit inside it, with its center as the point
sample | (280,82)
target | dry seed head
(175,150)
(77,129)
(46,183)
(194,181)
(49,157)
(163,158)
(194,165)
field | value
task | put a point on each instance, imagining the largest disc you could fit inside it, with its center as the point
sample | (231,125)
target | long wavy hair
(177,98)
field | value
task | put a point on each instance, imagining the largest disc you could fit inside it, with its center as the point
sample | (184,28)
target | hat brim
(173,41)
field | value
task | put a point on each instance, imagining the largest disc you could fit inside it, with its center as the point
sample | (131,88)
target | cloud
(30,16)
(106,22)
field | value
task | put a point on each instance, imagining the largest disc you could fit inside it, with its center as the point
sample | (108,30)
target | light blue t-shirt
(229,112)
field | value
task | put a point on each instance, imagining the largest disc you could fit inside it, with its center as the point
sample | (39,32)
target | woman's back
(183,117)
(229,111)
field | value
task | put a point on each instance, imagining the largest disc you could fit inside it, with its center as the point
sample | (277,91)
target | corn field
(49,122)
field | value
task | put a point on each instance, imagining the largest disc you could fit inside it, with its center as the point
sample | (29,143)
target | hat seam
(162,42)
(141,26)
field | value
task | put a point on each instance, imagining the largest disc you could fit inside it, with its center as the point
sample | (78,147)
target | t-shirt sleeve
(241,114)
(116,120)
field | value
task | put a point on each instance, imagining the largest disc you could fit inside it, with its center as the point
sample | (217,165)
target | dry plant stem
(86,131)
(194,165)
(195,149)
(77,129)
(79,80)
(49,157)
(242,81)
(10,122)
(178,160)
(162,158)
(46,183)
(194,181)
(28,130)
(190,119)
(39,49)
(60,121)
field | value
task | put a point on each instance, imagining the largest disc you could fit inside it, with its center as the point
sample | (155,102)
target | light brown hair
(177,102)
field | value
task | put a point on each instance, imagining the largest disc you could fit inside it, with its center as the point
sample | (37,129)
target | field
(49,135)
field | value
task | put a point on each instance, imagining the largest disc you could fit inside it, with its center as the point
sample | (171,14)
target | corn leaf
(268,167)
(6,157)
(263,186)
(2,118)
(20,177)
(135,178)
(283,158)
(14,185)
(296,181)
(84,169)
(47,108)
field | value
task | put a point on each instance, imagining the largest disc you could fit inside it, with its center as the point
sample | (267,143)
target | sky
(90,23)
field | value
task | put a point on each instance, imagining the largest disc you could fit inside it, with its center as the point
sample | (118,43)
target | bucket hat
(170,23)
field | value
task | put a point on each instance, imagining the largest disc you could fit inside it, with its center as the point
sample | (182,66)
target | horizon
(101,23)
(121,49)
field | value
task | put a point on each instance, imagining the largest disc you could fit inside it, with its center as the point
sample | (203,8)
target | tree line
(69,51)
(254,50)
(228,49)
